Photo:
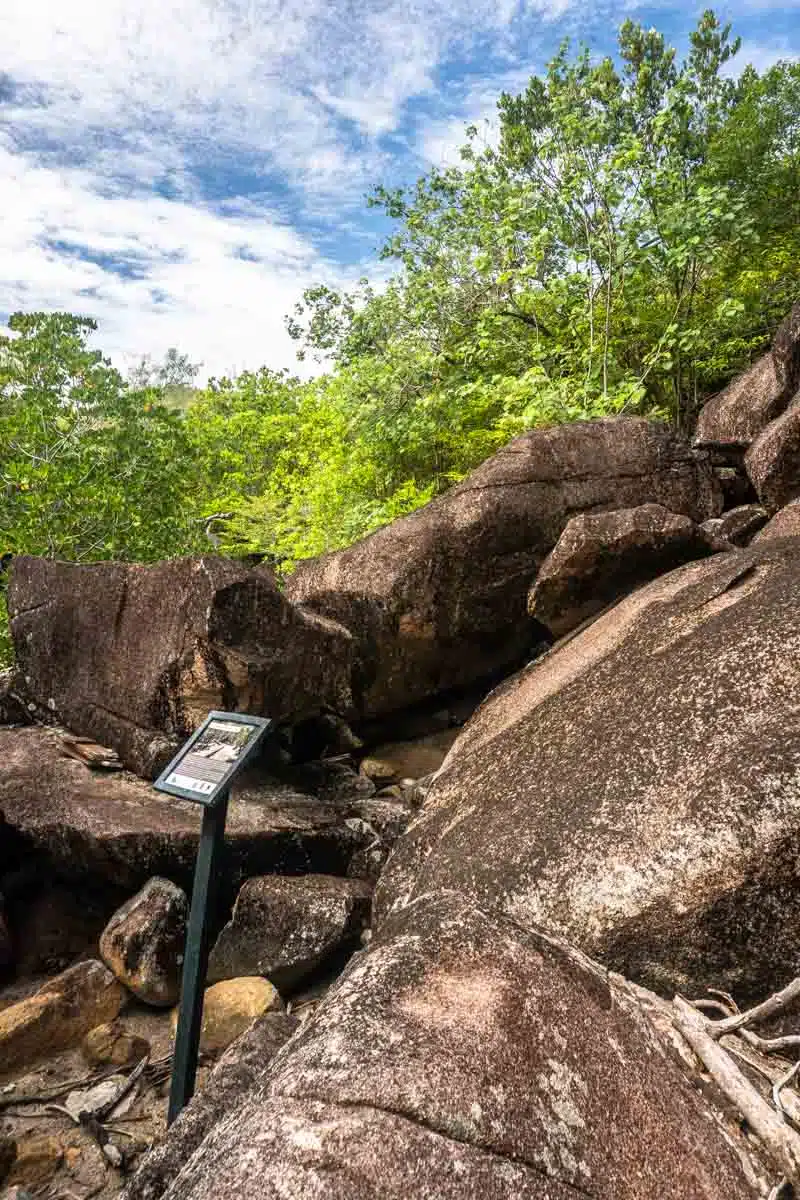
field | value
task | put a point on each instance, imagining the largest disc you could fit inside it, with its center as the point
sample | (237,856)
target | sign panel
(205,766)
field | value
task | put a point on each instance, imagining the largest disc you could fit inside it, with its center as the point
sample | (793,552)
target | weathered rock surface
(739,525)
(238,1070)
(380,823)
(746,406)
(59,1014)
(136,656)
(786,351)
(8,1152)
(118,828)
(412,759)
(13,710)
(773,461)
(437,599)
(498,1063)
(284,928)
(785,523)
(736,416)
(112,1045)
(143,942)
(231,1007)
(37,1160)
(602,556)
(636,788)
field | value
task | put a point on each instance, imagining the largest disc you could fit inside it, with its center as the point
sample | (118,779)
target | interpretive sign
(205,766)
(203,771)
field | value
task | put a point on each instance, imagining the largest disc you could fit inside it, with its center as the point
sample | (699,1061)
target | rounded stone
(230,1007)
(143,942)
(59,1015)
(112,1045)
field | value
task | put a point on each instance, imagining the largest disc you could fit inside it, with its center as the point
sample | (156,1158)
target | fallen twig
(106,1110)
(45,1097)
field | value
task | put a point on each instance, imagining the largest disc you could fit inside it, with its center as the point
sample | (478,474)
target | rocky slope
(618,821)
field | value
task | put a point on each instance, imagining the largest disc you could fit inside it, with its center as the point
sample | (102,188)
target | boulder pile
(510,899)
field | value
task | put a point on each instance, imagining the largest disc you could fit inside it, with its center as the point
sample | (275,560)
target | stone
(230,1007)
(13,709)
(239,1069)
(603,556)
(8,1152)
(285,928)
(379,823)
(136,655)
(463,1056)
(737,415)
(17,1193)
(377,769)
(737,526)
(111,1045)
(785,523)
(786,351)
(143,942)
(635,790)
(59,1014)
(773,461)
(38,1159)
(413,759)
(437,600)
(118,829)
(736,487)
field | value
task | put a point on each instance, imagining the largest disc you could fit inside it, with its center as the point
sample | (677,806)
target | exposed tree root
(727,1044)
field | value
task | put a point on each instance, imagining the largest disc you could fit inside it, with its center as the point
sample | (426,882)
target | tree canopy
(627,244)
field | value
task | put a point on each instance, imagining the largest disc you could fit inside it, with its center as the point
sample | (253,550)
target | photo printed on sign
(211,757)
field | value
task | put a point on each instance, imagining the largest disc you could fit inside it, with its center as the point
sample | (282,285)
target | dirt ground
(57,1158)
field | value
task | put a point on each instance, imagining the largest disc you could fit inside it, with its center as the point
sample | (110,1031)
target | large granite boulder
(226,1089)
(135,656)
(636,788)
(602,556)
(438,599)
(785,523)
(736,416)
(773,461)
(463,1056)
(119,829)
(786,351)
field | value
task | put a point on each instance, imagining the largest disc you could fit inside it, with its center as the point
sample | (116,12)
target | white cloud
(210,148)
(761,55)
(440,141)
(214,285)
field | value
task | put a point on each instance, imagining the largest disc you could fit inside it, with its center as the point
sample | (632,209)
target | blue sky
(182,169)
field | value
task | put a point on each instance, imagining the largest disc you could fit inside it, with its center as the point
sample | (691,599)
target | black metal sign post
(203,771)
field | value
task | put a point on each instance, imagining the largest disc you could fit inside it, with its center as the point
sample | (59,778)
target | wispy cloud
(182,170)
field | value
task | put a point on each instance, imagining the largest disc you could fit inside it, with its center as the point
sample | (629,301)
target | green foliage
(88,468)
(630,243)
(635,228)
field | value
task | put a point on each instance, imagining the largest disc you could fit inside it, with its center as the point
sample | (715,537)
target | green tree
(624,246)
(88,468)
